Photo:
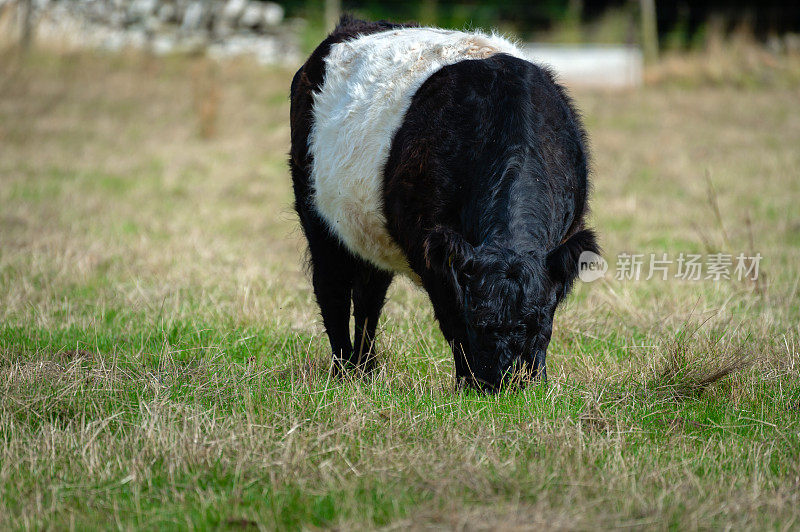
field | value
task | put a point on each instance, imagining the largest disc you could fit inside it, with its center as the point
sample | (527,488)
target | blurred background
(614,35)
(143,146)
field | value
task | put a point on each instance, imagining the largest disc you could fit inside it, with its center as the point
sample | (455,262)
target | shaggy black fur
(485,191)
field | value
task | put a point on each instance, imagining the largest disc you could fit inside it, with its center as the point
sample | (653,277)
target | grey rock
(151,24)
(193,17)
(115,19)
(167,13)
(163,44)
(252,16)
(142,8)
(273,14)
(233,10)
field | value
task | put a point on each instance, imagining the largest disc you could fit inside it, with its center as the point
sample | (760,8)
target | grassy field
(163,365)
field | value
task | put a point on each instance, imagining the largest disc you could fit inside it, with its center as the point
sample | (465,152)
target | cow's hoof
(348,367)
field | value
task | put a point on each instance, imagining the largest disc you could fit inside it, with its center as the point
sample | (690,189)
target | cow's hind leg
(333,271)
(369,294)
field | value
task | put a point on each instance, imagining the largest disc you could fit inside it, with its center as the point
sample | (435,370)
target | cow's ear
(563,261)
(446,249)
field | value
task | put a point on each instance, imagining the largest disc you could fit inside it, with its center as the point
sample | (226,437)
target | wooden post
(649,30)
(573,21)
(429,12)
(25,24)
(333,10)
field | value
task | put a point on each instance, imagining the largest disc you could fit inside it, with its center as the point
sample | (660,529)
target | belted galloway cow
(449,157)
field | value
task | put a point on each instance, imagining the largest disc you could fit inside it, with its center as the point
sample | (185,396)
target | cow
(448,157)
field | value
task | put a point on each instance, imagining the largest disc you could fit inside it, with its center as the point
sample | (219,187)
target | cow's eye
(511,329)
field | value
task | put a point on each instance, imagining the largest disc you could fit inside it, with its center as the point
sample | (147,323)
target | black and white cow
(448,157)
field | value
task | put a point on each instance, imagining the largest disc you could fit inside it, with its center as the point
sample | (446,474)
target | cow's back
(368,86)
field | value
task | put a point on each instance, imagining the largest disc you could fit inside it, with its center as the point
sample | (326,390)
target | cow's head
(497,305)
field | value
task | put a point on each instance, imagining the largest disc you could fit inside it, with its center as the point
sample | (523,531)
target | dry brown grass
(162,363)
(737,61)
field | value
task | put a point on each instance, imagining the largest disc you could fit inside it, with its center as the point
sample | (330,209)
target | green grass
(163,365)
(186,424)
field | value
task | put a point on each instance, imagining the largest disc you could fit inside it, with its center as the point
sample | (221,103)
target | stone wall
(220,27)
